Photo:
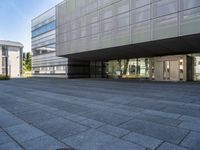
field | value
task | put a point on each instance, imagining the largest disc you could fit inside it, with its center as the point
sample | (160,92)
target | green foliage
(27,61)
(4,77)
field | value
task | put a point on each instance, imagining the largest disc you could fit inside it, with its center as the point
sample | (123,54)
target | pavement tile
(190,126)
(91,123)
(190,119)
(43,143)
(7,120)
(10,146)
(4,138)
(158,119)
(163,132)
(24,132)
(68,131)
(183,110)
(35,116)
(161,114)
(61,128)
(56,124)
(74,117)
(192,141)
(108,117)
(143,140)
(74,101)
(191,123)
(114,131)
(99,141)
(168,146)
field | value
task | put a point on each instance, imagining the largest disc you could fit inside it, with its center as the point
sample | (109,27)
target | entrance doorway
(170,68)
(171,71)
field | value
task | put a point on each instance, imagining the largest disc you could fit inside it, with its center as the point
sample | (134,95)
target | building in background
(151,39)
(45,63)
(11,58)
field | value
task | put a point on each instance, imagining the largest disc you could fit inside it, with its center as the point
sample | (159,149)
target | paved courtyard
(51,114)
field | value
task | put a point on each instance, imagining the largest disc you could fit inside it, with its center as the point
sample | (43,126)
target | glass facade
(128,68)
(123,68)
(196,67)
(45,28)
(44,61)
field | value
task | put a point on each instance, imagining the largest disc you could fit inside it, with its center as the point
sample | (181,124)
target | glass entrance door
(171,70)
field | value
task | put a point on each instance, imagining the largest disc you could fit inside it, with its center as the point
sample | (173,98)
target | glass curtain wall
(128,68)
(196,67)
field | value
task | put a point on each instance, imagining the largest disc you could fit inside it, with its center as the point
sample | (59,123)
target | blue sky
(16,16)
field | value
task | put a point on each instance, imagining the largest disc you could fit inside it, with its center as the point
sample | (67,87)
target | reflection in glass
(196,62)
(128,68)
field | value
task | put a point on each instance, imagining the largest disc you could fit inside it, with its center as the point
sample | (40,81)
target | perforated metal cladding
(86,25)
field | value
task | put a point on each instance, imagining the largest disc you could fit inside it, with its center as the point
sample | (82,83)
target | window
(4,51)
(4,62)
(48,27)
(3,71)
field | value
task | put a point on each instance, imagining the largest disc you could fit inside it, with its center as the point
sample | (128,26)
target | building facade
(151,39)
(11,58)
(45,63)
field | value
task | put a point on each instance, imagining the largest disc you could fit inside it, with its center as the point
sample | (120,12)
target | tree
(27,61)
(123,67)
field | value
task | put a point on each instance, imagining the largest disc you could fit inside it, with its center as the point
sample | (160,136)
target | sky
(16,16)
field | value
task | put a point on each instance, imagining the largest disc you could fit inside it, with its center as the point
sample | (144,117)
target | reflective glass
(128,68)
(44,29)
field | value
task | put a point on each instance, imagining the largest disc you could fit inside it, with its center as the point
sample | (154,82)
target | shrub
(3,77)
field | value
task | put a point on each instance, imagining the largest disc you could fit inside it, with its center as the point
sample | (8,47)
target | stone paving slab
(163,132)
(24,132)
(4,138)
(60,127)
(161,114)
(108,117)
(192,141)
(114,131)
(143,140)
(92,114)
(158,119)
(10,146)
(168,146)
(44,143)
(35,116)
(92,123)
(7,119)
(99,141)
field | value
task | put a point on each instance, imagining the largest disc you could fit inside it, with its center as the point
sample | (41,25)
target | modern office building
(44,60)
(152,39)
(11,58)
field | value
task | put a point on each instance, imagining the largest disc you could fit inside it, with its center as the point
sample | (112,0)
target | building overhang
(178,45)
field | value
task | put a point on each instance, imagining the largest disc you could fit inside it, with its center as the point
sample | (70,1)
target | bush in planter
(3,77)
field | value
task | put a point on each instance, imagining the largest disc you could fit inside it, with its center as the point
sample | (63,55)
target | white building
(11,58)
